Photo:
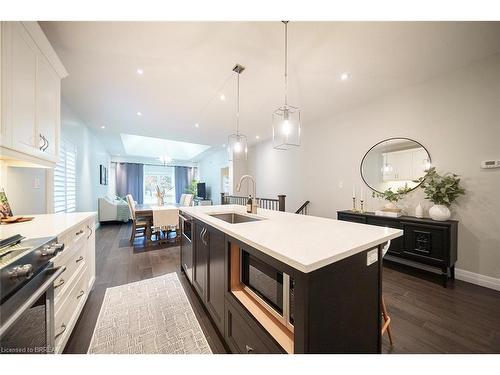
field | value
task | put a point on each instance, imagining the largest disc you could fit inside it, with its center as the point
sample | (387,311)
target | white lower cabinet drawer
(74,237)
(68,308)
(72,258)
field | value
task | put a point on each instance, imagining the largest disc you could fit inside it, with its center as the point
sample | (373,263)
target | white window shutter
(65,178)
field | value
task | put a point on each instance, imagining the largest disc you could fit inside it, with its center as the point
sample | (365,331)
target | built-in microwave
(270,287)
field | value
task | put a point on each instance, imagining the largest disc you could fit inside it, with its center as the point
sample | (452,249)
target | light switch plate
(36,183)
(371,257)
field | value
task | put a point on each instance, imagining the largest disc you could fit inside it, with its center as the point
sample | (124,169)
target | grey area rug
(148,317)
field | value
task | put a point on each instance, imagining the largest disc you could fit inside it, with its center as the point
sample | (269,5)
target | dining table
(145,212)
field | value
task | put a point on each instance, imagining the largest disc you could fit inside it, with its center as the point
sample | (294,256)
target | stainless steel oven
(270,287)
(27,317)
(27,277)
(186,225)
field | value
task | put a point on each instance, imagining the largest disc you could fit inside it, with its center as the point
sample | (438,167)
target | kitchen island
(277,282)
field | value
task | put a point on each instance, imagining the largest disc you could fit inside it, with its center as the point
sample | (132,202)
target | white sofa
(113,209)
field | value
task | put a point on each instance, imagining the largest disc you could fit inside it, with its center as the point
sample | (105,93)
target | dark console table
(425,242)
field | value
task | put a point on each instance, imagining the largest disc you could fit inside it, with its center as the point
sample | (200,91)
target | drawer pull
(79,232)
(82,292)
(79,259)
(63,328)
(91,231)
(249,349)
(61,282)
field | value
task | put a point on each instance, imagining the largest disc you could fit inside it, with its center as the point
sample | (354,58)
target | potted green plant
(192,188)
(442,190)
(392,196)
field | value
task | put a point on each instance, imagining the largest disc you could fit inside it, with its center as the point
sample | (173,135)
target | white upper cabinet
(22,100)
(30,95)
(404,165)
(48,93)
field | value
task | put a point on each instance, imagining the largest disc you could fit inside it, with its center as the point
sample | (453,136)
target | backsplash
(25,189)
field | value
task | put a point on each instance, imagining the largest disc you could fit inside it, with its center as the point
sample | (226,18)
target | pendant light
(286,119)
(237,143)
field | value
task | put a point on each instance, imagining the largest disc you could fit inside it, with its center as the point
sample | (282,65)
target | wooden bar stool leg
(387,321)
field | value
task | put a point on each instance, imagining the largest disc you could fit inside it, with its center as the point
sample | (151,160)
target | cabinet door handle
(249,349)
(61,282)
(63,328)
(48,143)
(91,231)
(82,292)
(79,259)
(44,142)
(203,232)
(79,232)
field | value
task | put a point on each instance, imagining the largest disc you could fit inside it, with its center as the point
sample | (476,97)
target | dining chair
(138,225)
(182,199)
(188,200)
(387,319)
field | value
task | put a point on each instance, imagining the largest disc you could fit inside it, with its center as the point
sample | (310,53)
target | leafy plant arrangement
(392,196)
(441,190)
(193,187)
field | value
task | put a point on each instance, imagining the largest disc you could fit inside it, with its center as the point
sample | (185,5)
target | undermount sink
(234,218)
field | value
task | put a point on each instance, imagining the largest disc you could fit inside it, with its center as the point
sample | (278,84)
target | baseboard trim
(478,279)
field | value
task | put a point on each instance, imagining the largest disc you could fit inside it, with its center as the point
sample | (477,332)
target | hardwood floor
(117,263)
(426,318)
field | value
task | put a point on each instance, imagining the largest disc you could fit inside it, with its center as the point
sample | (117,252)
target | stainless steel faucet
(252,197)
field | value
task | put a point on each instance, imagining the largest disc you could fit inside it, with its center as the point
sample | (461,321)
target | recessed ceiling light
(103,127)
(196,125)
(344,76)
(257,137)
(140,71)
(139,113)
(222,97)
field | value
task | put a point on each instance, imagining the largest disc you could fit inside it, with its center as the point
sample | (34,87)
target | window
(164,178)
(65,178)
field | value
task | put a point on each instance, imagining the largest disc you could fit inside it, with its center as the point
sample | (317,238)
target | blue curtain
(182,180)
(130,180)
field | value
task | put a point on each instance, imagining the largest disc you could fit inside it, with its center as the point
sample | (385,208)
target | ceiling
(187,65)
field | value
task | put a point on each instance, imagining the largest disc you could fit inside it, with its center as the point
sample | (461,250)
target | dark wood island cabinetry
(333,309)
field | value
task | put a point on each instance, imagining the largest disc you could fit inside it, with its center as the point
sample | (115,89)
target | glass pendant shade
(286,119)
(237,147)
(286,127)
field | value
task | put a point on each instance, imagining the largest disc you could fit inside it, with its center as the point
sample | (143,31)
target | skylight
(151,147)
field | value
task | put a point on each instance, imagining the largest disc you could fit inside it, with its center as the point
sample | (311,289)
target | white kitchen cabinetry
(31,76)
(75,283)
(48,108)
(421,163)
(404,165)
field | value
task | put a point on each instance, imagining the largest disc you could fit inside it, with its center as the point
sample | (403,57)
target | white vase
(439,212)
(419,211)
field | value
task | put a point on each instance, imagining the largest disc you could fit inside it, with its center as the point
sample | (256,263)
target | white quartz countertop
(306,243)
(47,225)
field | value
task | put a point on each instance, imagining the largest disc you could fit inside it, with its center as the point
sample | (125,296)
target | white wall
(25,189)
(209,170)
(456,117)
(90,154)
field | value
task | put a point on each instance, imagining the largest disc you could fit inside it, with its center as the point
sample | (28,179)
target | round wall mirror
(395,163)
